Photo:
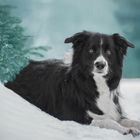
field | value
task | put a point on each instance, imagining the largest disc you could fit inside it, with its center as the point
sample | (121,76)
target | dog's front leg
(130,123)
(111,124)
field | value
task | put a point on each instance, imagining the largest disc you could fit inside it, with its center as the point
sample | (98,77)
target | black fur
(67,92)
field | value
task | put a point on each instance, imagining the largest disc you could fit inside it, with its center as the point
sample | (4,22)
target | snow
(20,120)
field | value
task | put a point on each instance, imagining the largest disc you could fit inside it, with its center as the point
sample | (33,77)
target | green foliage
(15,49)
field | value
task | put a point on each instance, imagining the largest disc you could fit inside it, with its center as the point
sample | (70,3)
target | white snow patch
(19,120)
(68,56)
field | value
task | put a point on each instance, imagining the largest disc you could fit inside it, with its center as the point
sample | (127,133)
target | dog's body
(87,91)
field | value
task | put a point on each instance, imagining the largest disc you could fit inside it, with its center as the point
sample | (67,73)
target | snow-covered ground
(19,120)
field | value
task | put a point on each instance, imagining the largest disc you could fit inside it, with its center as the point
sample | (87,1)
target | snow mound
(20,120)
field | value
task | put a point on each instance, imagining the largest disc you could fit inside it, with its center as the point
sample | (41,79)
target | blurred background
(46,24)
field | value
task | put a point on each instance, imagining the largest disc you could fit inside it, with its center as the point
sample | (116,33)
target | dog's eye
(91,51)
(108,52)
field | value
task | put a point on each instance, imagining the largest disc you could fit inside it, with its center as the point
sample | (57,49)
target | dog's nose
(100,65)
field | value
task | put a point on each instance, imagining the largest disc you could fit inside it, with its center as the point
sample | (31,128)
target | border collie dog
(87,90)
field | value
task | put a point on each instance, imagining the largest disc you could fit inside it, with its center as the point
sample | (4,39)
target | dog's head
(98,53)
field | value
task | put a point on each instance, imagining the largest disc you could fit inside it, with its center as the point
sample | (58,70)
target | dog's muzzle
(100,66)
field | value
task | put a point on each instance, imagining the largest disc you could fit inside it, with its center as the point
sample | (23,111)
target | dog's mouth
(102,72)
(98,71)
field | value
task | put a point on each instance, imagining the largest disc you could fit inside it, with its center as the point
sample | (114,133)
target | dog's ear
(122,43)
(77,38)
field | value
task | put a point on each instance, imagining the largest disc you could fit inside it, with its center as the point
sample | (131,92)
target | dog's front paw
(133,131)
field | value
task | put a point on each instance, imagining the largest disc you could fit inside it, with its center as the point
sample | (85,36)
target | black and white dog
(87,91)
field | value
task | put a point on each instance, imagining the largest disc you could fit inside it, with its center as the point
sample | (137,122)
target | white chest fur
(105,100)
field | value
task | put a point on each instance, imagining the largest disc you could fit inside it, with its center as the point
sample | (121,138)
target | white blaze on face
(102,59)
(101,41)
